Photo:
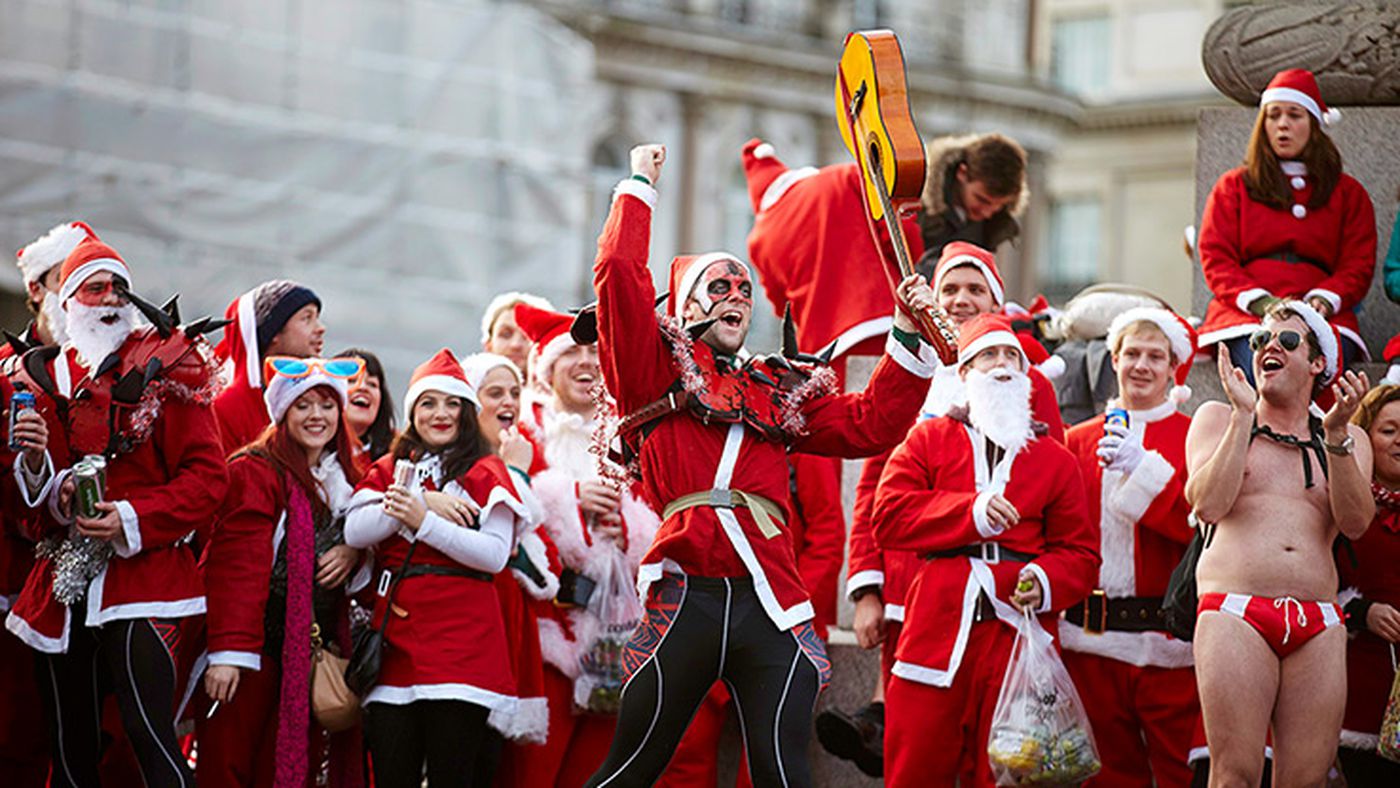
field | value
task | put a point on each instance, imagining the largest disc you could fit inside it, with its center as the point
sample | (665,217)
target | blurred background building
(409,158)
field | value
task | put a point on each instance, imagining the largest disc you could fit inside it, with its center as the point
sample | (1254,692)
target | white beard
(93,339)
(999,406)
(567,437)
(54,319)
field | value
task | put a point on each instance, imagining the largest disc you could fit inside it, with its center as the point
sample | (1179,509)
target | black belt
(991,552)
(447,571)
(1118,614)
(1290,257)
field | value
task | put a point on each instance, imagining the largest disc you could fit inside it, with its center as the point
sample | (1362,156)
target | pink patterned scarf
(294,709)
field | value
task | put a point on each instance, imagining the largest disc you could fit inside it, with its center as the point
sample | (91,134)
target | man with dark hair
(276,318)
(976,187)
(1269,642)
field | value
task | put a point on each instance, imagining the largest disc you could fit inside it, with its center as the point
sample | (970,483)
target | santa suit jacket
(238,562)
(1368,571)
(242,414)
(891,571)
(933,496)
(1143,530)
(1242,243)
(565,633)
(445,639)
(16,546)
(168,486)
(818,529)
(812,249)
(683,455)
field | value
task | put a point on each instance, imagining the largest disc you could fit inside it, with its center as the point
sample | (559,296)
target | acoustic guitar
(872,111)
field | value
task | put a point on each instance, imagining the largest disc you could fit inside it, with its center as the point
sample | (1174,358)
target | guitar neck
(892,222)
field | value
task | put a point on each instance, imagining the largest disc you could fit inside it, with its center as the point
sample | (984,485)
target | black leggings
(699,630)
(445,733)
(131,659)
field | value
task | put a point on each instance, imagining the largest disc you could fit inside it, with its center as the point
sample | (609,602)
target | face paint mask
(722,282)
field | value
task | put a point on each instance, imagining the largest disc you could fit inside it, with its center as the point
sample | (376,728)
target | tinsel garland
(599,444)
(77,559)
(683,350)
(143,418)
(820,383)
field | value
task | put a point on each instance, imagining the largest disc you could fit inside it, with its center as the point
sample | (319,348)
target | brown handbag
(335,707)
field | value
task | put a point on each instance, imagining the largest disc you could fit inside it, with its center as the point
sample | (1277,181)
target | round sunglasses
(1290,340)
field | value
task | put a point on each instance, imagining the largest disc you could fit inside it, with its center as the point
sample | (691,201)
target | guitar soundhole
(875,153)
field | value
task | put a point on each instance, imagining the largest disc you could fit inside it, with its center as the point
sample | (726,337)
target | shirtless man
(1269,645)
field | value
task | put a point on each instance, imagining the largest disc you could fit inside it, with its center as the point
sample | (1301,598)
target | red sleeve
(925,497)
(1070,558)
(1356,258)
(1045,406)
(859,424)
(379,476)
(238,562)
(818,481)
(186,442)
(637,364)
(1219,242)
(865,556)
(1169,510)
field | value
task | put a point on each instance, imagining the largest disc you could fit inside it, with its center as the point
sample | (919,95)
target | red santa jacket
(564,440)
(818,528)
(168,485)
(446,637)
(1369,571)
(890,571)
(812,249)
(237,564)
(933,496)
(242,414)
(16,548)
(1142,530)
(683,455)
(1243,243)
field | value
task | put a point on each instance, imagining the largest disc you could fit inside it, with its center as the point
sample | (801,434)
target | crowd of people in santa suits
(264,500)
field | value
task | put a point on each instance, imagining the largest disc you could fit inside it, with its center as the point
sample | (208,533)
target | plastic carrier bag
(618,611)
(1040,733)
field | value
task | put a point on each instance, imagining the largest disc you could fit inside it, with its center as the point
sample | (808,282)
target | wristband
(639,177)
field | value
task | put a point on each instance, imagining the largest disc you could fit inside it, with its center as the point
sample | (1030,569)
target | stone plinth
(1365,137)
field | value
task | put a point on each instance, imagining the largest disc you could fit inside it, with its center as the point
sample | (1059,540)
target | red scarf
(294,715)
(1387,507)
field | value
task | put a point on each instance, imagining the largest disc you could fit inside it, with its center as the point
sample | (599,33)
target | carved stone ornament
(1352,47)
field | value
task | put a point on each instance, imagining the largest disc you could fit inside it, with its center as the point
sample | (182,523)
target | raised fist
(647,160)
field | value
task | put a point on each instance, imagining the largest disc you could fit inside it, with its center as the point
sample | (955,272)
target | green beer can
(87,489)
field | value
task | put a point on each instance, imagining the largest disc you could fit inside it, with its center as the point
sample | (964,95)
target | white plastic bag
(1040,733)
(617,610)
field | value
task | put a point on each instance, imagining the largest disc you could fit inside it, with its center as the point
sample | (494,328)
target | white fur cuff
(1243,300)
(979,515)
(636,188)
(1136,493)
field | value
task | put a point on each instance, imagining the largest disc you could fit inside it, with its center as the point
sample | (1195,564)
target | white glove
(1120,450)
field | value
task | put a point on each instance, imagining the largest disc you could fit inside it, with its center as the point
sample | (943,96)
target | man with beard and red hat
(588,522)
(967,284)
(1277,485)
(276,318)
(708,426)
(1135,679)
(997,514)
(24,753)
(113,594)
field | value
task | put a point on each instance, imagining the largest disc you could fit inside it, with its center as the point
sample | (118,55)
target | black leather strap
(417,570)
(991,552)
(1122,614)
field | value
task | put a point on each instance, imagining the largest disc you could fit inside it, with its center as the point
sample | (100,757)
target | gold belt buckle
(1098,599)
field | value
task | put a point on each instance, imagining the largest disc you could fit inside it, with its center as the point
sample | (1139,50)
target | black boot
(858,737)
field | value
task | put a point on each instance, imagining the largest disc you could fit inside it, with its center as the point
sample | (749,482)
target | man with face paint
(708,426)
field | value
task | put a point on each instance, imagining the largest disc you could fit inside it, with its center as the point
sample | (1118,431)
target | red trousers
(24,738)
(238,745)
(938,735)
(1143,719)
(696,762)
(577,744)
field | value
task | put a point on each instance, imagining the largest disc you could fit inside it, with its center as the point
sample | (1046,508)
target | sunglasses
(1290,340)
(291,367)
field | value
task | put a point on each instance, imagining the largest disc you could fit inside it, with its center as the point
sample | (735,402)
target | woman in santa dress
(446,662)
(1370,573)
(1287,224)
(277,567)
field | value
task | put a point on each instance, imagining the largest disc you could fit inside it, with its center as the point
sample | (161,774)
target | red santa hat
(255,318)
(1050,366)
(477,365)
(50,250)
(89,257)
(1181,337)
(549,331)
(685,274)
(959,253)
(283,390)
(987,330)
(443,372)
(1299,86)
(1392,357)
(1327,337)
(769,179)
(505,301)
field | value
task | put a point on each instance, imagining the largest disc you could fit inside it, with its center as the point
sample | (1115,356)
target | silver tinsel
(77,560)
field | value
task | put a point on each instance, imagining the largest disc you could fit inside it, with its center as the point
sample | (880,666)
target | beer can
(403,473)
(100,463)
(87,490)
(1115,416)
(20,402)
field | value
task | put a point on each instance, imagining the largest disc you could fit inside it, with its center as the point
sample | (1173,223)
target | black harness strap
(1313,443)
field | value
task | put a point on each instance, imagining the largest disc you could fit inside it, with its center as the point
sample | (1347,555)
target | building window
(1080,54)
(1073,263)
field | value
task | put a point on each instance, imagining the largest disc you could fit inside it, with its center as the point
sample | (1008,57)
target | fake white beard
(567,437)
(93,339)
(999,406)
(54,318)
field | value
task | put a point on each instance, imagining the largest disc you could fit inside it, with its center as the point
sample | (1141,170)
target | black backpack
(1179,602)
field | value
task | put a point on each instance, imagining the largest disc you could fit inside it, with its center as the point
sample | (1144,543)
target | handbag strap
(394,587)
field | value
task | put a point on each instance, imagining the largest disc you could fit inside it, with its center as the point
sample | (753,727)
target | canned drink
(98,462)
(403,473)
(20,402)
(87,490)
(1115,416)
